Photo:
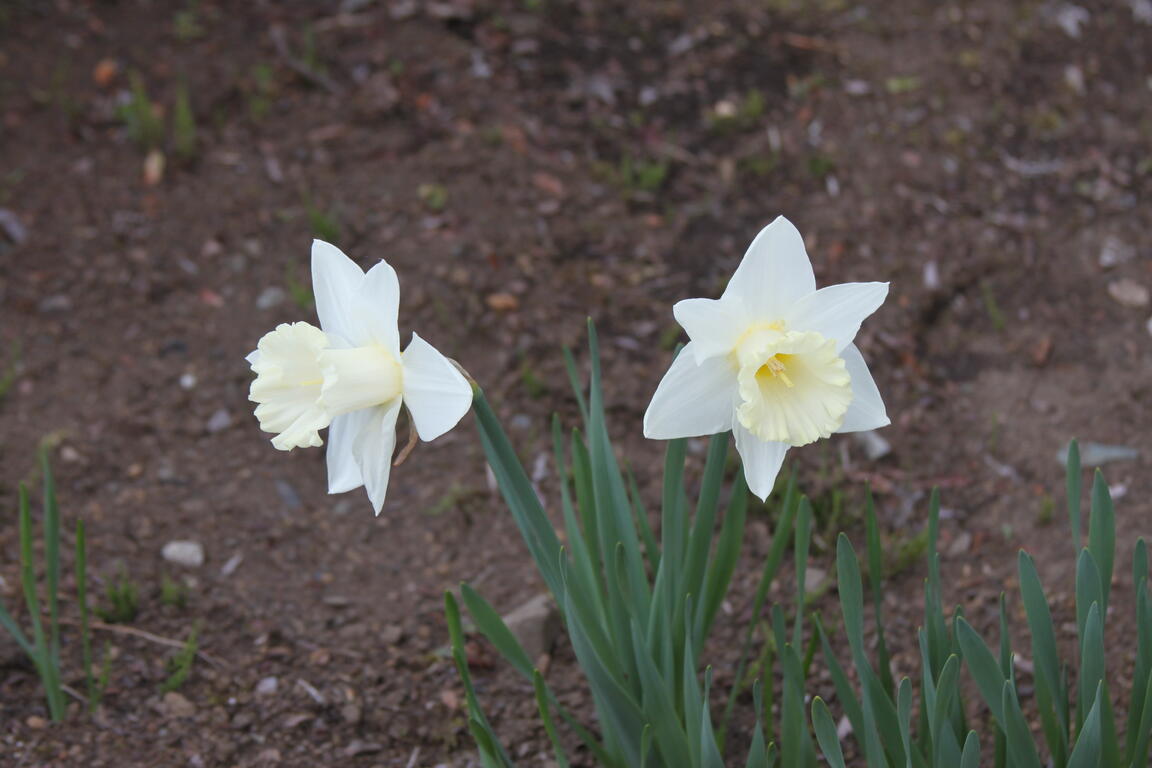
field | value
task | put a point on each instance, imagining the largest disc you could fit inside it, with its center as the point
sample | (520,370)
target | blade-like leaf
(826,735)
(1102,536)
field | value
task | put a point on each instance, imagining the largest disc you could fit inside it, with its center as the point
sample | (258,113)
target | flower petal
(437,395)
(867,408)
(373,446)
(773,274)
(761,459)
(837,311)
(335,284)
(378,305)
(712,325)
(343,471)
(693,399)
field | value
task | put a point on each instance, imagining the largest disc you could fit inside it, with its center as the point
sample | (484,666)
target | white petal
(761,459)
(335,284)
(837,311)
(253,357)
(693,399)
(373,446)
(713,326)
(774,272)
(378,307)
(343,471)
(867,408)
(437,395)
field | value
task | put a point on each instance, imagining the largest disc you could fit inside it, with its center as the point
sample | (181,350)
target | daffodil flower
(772,360)
(350,376)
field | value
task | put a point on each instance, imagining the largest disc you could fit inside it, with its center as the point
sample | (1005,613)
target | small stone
(187,381)
(358,747)
(351,713)
(36,722)
(233,563)
(961,544)
(1128,292)
(219,422)
(176,705)
(875,447)
(57,303)
(392,634)
(267,686)
(271,296)
(11,226)
(535,624)
(187,553)
(814,578)
(270,755)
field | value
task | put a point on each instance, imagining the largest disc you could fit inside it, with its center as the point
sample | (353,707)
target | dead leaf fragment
(154,168)
(549,184)
(502,302)
(105,72)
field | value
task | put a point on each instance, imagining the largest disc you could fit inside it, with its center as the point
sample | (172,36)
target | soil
(524,164)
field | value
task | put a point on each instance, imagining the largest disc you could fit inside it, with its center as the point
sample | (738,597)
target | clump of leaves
(435,196)
(173,593)
(123,600)
(141,117)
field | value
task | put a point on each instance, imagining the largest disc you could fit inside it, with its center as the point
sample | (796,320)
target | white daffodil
(772,360)
(350,376)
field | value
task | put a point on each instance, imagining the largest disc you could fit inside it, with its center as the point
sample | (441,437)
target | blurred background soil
(524,164)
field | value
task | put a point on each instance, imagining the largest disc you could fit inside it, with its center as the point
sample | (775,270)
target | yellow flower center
(793,386)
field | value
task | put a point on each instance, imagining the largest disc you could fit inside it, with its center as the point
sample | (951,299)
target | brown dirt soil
(524,164)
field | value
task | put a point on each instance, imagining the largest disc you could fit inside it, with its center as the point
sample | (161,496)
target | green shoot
(180,665)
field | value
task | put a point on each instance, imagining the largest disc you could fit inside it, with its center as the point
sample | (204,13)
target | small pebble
(267,686)
(187,381)
(270,297)
(219,422)
(875,447)
(1128,293)
(177,705)
(186,553)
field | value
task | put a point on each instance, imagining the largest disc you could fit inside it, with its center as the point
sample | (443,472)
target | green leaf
(970,758)
(519,495)
(1088,593)
(542,698)
(780,538)
(826,734)
(844,691)
(876,582)
(801,553)
(757,752)
(727,554)
(1089,750)
(709,752)
(659,708)
(1045,658)
(492,626)
(946,749)
(983,667)
(1020,745)
(1138,723)
(1102,536)
(491,751)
